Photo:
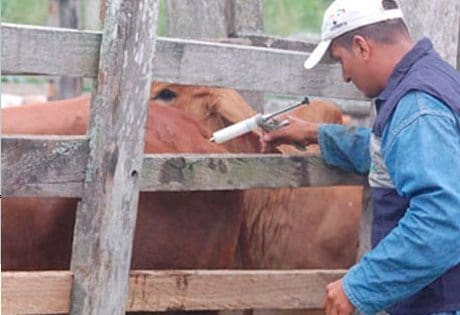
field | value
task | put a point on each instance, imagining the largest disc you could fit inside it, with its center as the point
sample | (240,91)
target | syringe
(266,122)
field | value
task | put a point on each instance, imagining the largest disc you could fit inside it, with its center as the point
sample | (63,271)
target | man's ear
(362,47)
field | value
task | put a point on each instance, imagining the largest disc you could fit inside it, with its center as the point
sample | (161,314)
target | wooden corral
(124,67)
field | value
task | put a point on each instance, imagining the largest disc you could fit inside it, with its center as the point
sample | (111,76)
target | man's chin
(369,94)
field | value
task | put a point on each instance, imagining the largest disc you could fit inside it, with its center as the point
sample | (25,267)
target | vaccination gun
(266,122)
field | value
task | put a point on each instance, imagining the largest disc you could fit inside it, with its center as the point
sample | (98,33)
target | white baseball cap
(343,16)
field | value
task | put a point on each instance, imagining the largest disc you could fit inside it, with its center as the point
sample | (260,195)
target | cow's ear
(230,105)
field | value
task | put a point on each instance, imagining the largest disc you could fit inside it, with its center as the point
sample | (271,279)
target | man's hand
(336,302)
(298,131)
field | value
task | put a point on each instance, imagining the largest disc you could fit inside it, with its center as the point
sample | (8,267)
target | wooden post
(66,13)
(248,18)
(105,220)
(439,20)
(198,19)
(217,19)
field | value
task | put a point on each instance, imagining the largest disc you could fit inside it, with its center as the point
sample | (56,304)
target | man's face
(356,68)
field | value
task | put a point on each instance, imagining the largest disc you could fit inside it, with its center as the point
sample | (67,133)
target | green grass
(25,11)
(286,17)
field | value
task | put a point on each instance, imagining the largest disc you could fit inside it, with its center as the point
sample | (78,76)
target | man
(413,163)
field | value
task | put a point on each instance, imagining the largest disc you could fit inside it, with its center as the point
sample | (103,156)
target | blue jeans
(448,313)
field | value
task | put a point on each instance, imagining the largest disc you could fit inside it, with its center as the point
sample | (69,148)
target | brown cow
(284,228)
(273,237)
(174,229)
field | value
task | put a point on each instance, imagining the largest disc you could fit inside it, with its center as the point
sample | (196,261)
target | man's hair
(385,32)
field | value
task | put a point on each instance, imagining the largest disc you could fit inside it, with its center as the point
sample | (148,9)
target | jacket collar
(423,47)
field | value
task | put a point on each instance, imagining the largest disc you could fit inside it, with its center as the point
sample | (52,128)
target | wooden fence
(67,166)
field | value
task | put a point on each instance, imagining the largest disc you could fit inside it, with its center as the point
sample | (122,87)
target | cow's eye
(165,95)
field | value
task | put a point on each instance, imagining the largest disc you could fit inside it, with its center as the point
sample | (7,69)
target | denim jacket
(417,259)
(422,148)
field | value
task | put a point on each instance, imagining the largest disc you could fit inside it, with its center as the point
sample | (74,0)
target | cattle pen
(107,168)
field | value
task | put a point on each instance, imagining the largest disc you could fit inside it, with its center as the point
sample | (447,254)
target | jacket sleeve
(421,153)
(345,147)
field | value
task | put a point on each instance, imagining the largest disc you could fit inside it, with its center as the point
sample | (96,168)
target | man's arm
(345,147)
(341,146)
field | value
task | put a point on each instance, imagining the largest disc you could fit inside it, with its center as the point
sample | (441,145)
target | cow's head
(213,108)
(216,108)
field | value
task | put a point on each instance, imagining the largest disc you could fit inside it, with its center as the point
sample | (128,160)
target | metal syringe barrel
(236,130)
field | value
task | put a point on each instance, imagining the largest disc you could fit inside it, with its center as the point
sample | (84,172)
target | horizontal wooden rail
(54,166)
(239,171)
(268,41)
(43,166)
(53,51)
(48,292)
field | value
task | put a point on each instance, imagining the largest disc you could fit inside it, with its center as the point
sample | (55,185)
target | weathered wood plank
(43,166)
(439,20)
(68,16)
(27,50)
(205,22)
(45,292)
(218,19)
(248,17)
(230,289)
(262,40)
(55,167)
(49,51)
(48,292)
(220,172)
(106,216)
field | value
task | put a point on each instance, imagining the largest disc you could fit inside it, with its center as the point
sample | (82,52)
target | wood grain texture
(43,166)
(55,167)
(106,216)
(243,171)
(44,292)
(439,20)
(34,50)
(48,292)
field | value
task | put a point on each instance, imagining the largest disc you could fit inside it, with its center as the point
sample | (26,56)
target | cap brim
(317,54)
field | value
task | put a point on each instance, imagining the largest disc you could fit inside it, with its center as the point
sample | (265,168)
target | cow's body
(282,228)
(174,230)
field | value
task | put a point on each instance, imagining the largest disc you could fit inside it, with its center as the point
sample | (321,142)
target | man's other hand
(337,303)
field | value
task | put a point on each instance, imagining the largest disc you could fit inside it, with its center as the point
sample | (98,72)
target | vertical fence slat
(105,219)
(66,13)
(248,17)
(197,18)
(438,20)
